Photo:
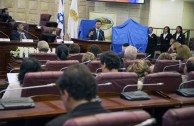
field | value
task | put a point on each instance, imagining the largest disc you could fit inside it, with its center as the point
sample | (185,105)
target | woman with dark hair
(179,36)
(28,65)
(165,39)
(62,52)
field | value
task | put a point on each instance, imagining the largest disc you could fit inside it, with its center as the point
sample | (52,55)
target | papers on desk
(12,78)
(27,40)
(4,40)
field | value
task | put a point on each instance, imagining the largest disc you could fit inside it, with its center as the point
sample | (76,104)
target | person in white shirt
(28,65)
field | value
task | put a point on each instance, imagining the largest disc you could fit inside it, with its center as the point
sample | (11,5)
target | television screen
(124,1)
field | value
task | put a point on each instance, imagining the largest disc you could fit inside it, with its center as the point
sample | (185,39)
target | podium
(85,44)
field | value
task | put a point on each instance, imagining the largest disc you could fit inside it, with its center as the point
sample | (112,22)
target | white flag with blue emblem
(60,17)
(72,28)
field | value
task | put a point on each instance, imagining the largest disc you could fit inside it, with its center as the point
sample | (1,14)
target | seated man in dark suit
(19,34)
(96,33)
(78,91)
(5,11)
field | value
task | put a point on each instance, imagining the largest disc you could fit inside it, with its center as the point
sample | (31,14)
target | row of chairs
(119,80)
(173,117)
(159,66)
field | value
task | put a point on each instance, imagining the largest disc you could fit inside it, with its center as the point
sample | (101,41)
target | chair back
(40,78)
(166,65)
(59,65)
(171,81)
(179,117)
(44,18)
(50,30)
(140,56)
(94,65)
(123,118)
(44,56)
(77,56)
(118,79)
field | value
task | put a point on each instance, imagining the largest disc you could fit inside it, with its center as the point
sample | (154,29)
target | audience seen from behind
(183,53)
(95,49)
(19,32)
(179,36)
(5,11)
(189,66)
(78,90)
(43,46)
(28,65)
(165,38)
(130,53)
(110,62)
(164,56)
(62,52)
(88,56)
(141,68)
(74,48)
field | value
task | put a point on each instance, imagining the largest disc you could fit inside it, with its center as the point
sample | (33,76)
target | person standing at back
(179,36)
(152,43)
(96,33)
(165,39)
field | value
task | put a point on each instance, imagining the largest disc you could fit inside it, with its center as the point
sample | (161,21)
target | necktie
(23,36)
(97,34)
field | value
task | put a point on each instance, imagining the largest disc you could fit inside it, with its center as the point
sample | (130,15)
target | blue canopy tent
(129,32)
(85,26)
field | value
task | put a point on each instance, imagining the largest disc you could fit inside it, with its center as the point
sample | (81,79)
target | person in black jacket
(179,36)
(5,11)
(152,43)
(165,39)
(78,90)
(96,33)
(19,33)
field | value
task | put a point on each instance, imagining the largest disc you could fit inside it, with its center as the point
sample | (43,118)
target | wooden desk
(6,47)
(54,108)
(85,44)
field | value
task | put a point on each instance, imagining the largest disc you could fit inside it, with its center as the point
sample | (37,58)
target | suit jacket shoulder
(82,110)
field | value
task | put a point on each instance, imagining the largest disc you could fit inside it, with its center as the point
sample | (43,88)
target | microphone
(182,84)
(30,87)
(180,65)
(32,35)
(97,99)
(5,39)
(62,69)
(105,84)
(138,50)
(147,57)
(147,122)
(133,85)
(136,95)
(187,92)
(4,34)
(101,36)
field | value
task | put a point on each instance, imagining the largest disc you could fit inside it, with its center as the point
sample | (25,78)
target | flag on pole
(72,29)
(60,17)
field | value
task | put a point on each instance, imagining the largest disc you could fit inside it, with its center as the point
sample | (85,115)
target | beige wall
(188,17)
(165,12)
(30,10)
(156,13)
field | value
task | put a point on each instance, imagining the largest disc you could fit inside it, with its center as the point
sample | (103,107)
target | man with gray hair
(130,53)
